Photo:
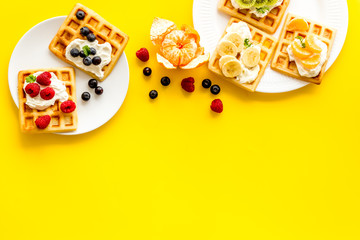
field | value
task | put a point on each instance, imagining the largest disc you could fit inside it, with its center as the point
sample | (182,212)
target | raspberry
(32,89)
(44,79)
(188,84)
(43,122)
(47,93)
(68,106)
(143,54)
(217,106)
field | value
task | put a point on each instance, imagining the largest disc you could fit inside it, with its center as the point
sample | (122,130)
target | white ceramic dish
(210,23)
(32,52)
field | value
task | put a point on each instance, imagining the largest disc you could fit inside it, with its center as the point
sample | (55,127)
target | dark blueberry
(147,71)
(96,60)
(99,90)
(82,54)
(80,15)
(93,83)
(165,81)
(75,52)
(87,61)
(153,94)
(84,31)
(85,96)
(92,51)
(91,37)
(206,83)
(215,89)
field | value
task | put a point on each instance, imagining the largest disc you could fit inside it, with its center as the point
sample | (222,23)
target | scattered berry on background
(99,90)
(43,121)
(147,71)
(153,94)
(84,31)
(165,81)
(80,15)
(82,54)
(32,89)
(188,84)
(47,93)
(143,54)
(87,61)
(93,83)
(96,60)
(92,51)
(44,79)
(215,89)
(67,106)
(74,52)
(85,96)
(206,83)
(217,106)
(91,37)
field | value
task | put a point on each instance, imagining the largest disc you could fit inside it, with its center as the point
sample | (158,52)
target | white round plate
(32,52)
(210,23)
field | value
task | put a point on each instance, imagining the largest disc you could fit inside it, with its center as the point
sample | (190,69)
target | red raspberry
(68,106)
(47,93)
(217,106)
(44,79)
(143,54)
(188,84)
(32,89)
(43,122)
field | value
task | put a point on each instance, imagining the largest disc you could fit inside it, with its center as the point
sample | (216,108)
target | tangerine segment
(298,24)
(311,62)
(191,32)
(299,51)
(311,45)
(179,48)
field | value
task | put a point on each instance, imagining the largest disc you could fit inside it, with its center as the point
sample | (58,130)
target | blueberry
(84,31)
(87,61)
(92,51)
(96,60)
(85,96)
(153,94)
(147,71)
(91,37)
(93,83)
(165,81)
(82,54)
(206,83)
(215,89)
(99,90)
(80,15)
(75,52)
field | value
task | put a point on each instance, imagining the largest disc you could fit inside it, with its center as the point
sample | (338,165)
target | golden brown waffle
(103,30)
(60,122)
(267,43)
(269,23)
(281,62)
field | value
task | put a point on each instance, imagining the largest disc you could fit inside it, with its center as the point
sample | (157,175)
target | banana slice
(226,47)
(251,57)
(231,68)
(236,39)
(225,59)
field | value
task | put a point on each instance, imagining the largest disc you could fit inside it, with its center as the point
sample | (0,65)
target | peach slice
(311,44)
(299,51)
(311,62)
(298,24)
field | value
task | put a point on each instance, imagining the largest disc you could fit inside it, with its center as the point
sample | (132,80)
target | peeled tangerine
(311,45)
(299,51)
(311,62)
(298,24)
(177,48)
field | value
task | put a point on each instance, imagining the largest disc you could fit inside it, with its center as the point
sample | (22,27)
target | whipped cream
(41,104)
(303,71)
(102,50)
(259,12)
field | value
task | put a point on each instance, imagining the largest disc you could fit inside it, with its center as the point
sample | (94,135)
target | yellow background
(280,166)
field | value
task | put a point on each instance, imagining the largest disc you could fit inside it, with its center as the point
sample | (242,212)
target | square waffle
(268,45)
(269,23)
(60,122)
(103,30)
(281,62)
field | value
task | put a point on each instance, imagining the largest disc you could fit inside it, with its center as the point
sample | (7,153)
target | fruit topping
(32,89)
(310,44)
(217,106)
(311,62)
(67,106)
(236,39)
(92,51)
(226,47)
(272,2)
(84,31)
(153,94)
(188,84)
(99,90)
(85,96)
(206,83)
(147,71)
(91,37)
(82,54)
(47,93)
(231,68)
(143,54)
(96,60)
(80,15)
(87,61)
(165,81)
(93,83)
(251,57)
(74,52)
(260,3)
(245,3)
(215,89)
(299,48)
(44,79)
(43,121)
(298,24)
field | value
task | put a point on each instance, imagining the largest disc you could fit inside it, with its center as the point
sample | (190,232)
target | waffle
(103,30)
(60,122)
(281,62)
(268,45)
(269,23)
